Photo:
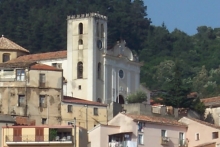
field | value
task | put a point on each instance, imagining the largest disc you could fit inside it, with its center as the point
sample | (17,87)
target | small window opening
(80,70)
(80,28)
(80,42)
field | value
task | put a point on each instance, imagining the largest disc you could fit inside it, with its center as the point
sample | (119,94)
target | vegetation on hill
(40,26)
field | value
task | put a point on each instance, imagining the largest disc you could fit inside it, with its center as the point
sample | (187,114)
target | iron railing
(34,138)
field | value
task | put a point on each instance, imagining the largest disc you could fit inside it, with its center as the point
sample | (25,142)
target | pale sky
(185,15)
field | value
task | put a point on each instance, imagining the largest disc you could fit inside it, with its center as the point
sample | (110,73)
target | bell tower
(86,43)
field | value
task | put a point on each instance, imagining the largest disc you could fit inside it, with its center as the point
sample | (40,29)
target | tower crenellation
(78,16)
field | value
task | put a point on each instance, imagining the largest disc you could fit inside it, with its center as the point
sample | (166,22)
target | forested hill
(40,26)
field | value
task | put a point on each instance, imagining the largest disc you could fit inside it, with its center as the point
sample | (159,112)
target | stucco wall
(152,135)
(205,132)
(80,112)
(99,137)
(13,54)
(10,91)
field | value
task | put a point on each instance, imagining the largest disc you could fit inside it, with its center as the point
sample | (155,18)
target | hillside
(40,26)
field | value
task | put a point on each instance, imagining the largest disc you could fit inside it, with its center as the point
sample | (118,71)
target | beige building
(88,114)
(31,89)
(10,50)
(32,136)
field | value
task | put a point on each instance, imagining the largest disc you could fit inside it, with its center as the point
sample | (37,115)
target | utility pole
(74,132)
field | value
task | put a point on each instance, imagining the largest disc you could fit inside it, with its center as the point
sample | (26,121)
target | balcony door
(39,134)
(17,134)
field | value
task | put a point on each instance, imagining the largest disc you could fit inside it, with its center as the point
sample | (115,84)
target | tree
(137,97)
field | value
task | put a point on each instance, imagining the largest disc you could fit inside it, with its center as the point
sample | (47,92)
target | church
(91,70)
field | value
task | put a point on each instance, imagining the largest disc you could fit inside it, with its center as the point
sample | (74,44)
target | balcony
(32,139)
(183,143)
(123,144)
(164,140)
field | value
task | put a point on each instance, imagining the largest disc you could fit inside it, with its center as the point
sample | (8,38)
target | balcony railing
(123,144)
(183,143)
(34,139)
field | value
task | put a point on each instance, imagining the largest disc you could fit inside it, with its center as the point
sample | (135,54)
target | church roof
(41,56)
(7,44)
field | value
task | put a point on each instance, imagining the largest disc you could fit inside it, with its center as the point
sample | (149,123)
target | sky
(185,15)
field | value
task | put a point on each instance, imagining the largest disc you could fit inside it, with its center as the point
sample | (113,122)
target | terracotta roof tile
(44,67)
(10,45)
(41,56)
(205,123)
(81,101)
(157,120)
(24,121)
(16,64)
(213,101)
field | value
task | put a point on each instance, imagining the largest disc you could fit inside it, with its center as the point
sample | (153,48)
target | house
(88,114)
(212,111)
(5,120)
(201,133)
(139,130)
(55,136)
(32,90)
(10,50)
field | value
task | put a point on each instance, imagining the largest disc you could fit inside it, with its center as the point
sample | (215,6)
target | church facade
(95,72)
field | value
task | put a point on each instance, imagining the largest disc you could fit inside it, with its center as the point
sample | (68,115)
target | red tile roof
(204,123)
(157,120)
(81,101)
(7,44)
(44,67)
(41,56)
(213,101)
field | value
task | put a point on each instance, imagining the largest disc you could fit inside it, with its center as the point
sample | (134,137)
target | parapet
(78,16)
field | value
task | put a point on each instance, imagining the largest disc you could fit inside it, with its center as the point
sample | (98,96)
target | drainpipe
(74,132)
(8,99)
(48,109)
(26,78)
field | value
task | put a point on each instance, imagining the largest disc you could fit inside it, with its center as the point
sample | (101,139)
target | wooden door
(39,134)
(17,134)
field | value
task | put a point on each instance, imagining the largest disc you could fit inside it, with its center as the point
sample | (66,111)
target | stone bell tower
(86,42)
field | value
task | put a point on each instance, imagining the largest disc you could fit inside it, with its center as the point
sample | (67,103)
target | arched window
(99,100)
(97,29)
(80,42)
(79,70)
(99,70)
(80,28)
(5,57)
(102,31)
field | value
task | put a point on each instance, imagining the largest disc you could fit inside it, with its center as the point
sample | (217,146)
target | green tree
(137,97)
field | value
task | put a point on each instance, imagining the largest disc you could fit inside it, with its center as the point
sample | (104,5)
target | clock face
(121,74)
(99,44)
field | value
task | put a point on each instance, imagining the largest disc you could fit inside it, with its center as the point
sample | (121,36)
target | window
(80,42)
(102,31)
(80,28)
(69,108)
(99,70)
(80,70)
(197,137)
(44,121)
(141,126)
(42,80)
(163,133)
(70,123)
(20,74)
(42,101)
(95,111)
(214,135)
(79,87)
(121,74)
(6,57)
(181,138)
(140,139)
(57,65)
(21,100)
